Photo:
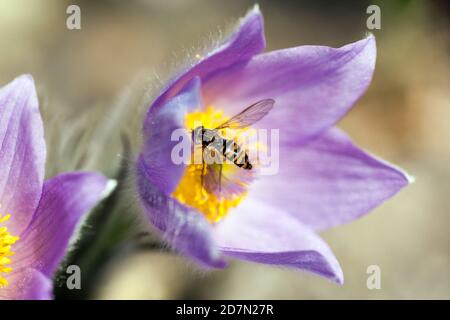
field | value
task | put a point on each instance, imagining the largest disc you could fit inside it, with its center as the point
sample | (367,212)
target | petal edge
(331,181)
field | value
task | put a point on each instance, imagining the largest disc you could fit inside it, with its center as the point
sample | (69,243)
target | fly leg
(202,174)
(220,179)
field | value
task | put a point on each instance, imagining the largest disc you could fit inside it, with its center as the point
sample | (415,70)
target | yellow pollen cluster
(6,241)
(190,190)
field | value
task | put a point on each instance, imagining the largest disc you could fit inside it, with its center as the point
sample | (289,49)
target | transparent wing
(212,178)
(249,115)
(226,182)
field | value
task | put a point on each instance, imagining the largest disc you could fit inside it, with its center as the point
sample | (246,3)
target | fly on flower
(217,150)
(323,178)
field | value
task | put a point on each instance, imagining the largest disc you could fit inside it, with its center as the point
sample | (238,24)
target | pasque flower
(324,180)
(37,217)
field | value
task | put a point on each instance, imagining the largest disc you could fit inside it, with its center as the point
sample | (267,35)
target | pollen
(191,191)
(209,118)
(6,242)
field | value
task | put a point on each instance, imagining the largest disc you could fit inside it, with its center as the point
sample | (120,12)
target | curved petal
(329,181)
(22,152)
(184,229)
(39,288)
(260,233)
(163,172)
(313,86)
(246,41)
(65,199)
(30,284)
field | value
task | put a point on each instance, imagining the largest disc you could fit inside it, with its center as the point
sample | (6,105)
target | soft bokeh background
(94,84)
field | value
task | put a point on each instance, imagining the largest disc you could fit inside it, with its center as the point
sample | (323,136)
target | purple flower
(324,180)
(37,217)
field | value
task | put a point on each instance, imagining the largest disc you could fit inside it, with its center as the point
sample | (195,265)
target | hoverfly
(227,149)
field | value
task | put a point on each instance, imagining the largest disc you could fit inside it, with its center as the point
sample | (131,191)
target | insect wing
(211,180)
(227,182)
(249,116)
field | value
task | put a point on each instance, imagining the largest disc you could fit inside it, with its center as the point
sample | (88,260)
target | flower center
(194,188)
(6,242)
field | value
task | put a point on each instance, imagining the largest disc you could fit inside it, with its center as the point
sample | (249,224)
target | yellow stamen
(6,242)
(190,190)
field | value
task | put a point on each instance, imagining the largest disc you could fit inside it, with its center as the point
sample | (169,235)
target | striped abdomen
(233,152)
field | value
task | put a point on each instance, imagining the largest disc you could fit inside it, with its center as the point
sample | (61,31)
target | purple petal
(22,152)
(244,43)
(65,199)
(313,86)
(329,181)
(261,233)
(157,149)
(184,229)
(29,284)
(39,287)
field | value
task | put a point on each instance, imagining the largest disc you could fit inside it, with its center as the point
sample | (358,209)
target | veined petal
(329,181)
(313,86)
(246,41)
(29,284)
(22,152)
(65,199)
(260,233)
(157,149)
(183,228)
(39,287)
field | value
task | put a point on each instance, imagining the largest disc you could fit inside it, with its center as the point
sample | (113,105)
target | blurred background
(95,83)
